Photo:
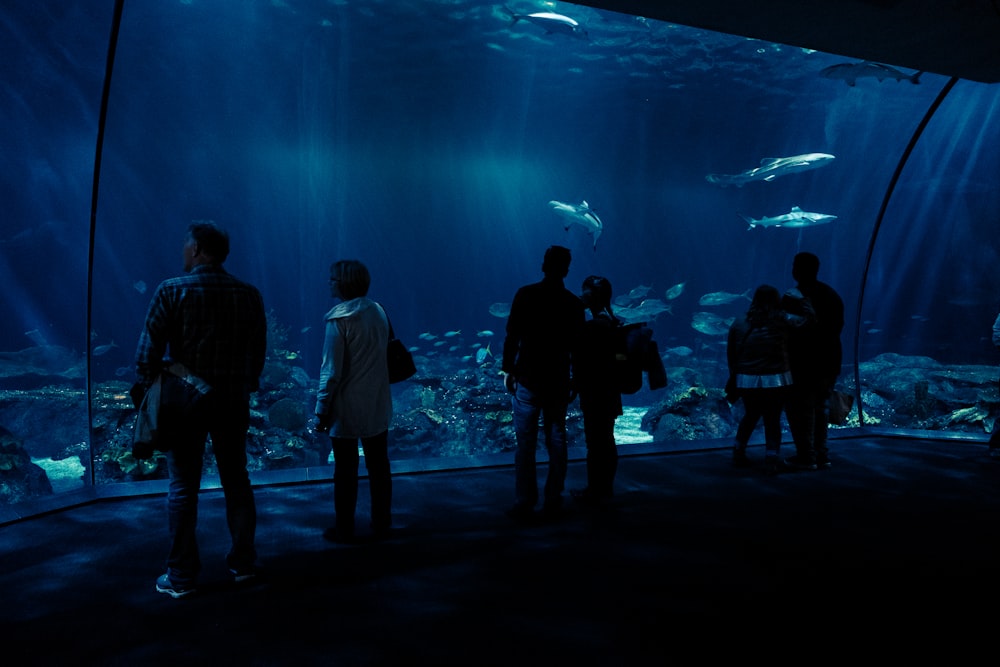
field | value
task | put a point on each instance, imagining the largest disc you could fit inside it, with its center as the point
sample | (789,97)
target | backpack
(635,353)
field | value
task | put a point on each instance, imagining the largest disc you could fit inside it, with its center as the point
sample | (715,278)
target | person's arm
(153,338)
(329,374)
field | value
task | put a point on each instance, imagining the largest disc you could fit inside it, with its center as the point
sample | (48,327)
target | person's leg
(376,451)
(345,484)
(602,453)
(229,442)
(554,423)
(184,464)
(821,421)
(526,412)
(801,420)
(751,415)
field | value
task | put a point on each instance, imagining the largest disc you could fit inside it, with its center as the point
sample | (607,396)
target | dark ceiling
(959,38)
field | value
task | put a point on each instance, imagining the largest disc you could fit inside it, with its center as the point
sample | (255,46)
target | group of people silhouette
(785,354)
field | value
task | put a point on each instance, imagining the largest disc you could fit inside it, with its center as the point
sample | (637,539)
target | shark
(581,214)
(849,73)
(550,22)
(794,219)
(772,167)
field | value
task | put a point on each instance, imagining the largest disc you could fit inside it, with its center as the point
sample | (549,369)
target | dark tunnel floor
(891,552)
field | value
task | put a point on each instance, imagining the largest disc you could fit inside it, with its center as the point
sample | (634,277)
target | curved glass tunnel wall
(429,144)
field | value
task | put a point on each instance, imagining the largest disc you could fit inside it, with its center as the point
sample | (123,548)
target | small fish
(485,333)
(482,353)
(452,334)
(139,286)
(710,324)
(427,336)
(413,348)
(500,310)
(453,348)
(305,329)
(680,351)
(104,349)
(721,298)
(439,343)
(121,372)
(674,291)
(639,292)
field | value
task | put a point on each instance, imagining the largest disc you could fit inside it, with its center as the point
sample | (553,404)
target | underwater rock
(289,415)
(20,479)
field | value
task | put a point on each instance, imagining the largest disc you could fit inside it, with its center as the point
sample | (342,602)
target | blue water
(426,138)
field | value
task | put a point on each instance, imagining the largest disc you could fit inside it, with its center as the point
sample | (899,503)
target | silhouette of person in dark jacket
(542,333)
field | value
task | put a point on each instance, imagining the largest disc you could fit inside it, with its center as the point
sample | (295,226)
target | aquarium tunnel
(432,139)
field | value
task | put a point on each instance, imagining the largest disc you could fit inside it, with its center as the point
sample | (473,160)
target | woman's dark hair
(352,277)
(766,302)
(600,287)
(211,239)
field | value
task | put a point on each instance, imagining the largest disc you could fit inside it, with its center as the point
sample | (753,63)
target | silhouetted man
(542,331)
(216,327)
(815,355)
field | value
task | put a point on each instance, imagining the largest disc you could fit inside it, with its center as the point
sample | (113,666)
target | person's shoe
(799,463)
(740,458)
(164,585)
(823,463)
(244,574)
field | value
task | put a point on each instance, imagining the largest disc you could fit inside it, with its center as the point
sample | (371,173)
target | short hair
(805,266)
(556,261)
(212,239)
(352,277)
(600,287)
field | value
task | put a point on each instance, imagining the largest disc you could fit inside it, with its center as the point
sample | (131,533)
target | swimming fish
(485,333)
(849,73)
(710,324)
(482,353)
(427,336)
(794,219)
(721,298)
(772,167)
(104,349)
(581,215)
(500,310)
(674,291)
(640,291)
(550,22)
(452,334)
(140,286)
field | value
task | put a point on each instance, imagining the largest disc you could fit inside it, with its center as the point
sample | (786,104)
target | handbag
(176,404)
(840,405)
(400,361)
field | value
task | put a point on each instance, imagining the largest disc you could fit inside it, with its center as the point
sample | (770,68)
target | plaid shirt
(209,321)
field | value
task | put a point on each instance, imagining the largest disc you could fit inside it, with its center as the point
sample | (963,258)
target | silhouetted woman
(354,402)
(600,400)
(757,351)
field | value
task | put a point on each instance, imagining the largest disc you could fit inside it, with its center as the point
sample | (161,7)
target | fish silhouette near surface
(772,167)
(581,215)
(794,219)
(849,73)
(550,22)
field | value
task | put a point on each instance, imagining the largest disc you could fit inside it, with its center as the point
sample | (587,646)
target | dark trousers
(808,414)
(763,404)
(528,407)
(346,460)
(602,452)
(227,425)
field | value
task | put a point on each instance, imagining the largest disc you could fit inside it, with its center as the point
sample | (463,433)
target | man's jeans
(228,428)
(528,407)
